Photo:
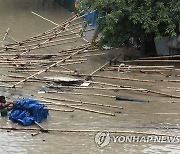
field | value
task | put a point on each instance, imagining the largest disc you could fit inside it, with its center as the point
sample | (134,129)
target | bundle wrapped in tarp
(27,111)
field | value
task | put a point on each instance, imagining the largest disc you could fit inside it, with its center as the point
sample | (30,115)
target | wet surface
(17,16)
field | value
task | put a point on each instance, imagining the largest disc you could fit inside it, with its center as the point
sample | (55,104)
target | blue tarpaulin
(91,18)
(26,111)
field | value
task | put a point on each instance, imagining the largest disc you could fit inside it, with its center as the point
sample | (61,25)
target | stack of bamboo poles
(18,55)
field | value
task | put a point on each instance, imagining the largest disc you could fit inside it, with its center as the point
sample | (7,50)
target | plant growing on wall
(121,20)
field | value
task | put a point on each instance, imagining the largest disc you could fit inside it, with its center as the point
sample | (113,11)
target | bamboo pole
(151,61)
(13,39)
(90,110)
(37,61)
(45,18)
(98,54)
(136,70)
(160,57)
(84,94)
(46,102)
(79,108)
(171,80)
(146,67)
(98,69)
(41,127)
(155,71)
(7,31)
(110,77)
(87,131)
(83,102)
(98,88)
(25,71)
(61,110)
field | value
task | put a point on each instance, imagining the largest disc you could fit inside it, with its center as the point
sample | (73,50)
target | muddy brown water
(17,16)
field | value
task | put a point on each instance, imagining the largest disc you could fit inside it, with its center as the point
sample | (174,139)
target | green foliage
(126,19)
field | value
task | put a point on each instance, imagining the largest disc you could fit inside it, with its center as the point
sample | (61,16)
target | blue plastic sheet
(26,111)
(91,18)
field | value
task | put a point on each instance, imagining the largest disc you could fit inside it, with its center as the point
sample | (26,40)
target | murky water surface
(16,15)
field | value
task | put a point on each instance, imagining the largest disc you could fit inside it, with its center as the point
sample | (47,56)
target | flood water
(16,15)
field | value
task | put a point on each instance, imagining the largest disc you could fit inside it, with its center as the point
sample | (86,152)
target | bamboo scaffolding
(52,55)
(55,29)
(48,42)
(37,47)
(61,26)
(50,21)
(49,67)
(40,46)
(45,41)
(52,36)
